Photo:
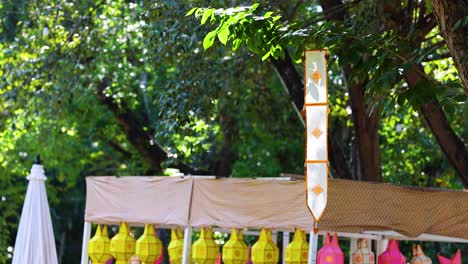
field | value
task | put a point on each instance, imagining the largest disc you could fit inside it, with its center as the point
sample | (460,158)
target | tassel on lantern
(363,255)
(98,246)
(205,250)
(235,251)
(456,259)
(297,252)
(265,251)
(122,245)
(148,246)
(176,246)
(392,254)
(330,253)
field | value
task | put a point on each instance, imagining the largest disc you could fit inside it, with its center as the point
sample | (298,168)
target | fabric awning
(353,207)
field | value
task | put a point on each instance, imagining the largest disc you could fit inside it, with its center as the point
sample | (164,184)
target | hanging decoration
(148,246)
(330,253)
(265,250)
(316,117)
(297,252)
(419,257)
(235,251)
(98,246)
(392,254)
(456,259)
(122,245)
(176,246)
(363,255)
(205,250)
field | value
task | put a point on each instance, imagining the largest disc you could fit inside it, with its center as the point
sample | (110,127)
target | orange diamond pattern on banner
(317,189)
(317,132)
(316,76)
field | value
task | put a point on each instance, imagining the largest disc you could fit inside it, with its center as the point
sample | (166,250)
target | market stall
(374,211)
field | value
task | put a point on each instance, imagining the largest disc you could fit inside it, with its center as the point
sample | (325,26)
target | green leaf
(266,56)
(223,34)
(208,12)
(458,24)
(209,39)
(191,11)
(236,44)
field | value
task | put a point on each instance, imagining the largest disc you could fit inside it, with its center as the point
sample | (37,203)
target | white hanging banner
(316,116)
(316,77)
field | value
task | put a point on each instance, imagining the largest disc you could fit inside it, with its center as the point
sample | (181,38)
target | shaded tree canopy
(140,88)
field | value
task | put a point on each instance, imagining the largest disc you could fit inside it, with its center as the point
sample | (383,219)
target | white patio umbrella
(35,241)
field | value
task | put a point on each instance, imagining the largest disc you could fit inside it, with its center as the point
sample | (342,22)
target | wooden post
(186,256)
(84,247)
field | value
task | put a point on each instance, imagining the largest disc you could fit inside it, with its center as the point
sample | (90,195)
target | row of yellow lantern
(148,247)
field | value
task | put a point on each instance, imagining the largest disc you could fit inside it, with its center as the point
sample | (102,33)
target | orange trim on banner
(316,104)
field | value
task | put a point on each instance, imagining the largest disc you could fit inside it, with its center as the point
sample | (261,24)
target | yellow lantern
(176,246)
(363,255)
(297,252)
(265,250)
(235,251)
(205,250)
(98,246)
(122,245)
(148,246)
(419,257)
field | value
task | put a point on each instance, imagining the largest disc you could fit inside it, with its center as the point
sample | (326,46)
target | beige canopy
(354,207)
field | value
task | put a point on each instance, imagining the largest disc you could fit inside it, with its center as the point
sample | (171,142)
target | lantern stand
(186,256)
(313,242)
(285,244)
(86,237)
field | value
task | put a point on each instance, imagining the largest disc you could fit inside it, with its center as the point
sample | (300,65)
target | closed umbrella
(35,241)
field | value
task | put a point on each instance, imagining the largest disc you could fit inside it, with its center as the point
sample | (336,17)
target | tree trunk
(448,13)
(452,146)
(366,147)
(226,156)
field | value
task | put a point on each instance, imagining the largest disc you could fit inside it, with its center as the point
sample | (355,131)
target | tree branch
(449,142)
(133,126)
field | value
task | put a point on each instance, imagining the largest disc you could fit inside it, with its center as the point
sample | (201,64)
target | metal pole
(285,244)
(186,256)
(86,237)
(313,244)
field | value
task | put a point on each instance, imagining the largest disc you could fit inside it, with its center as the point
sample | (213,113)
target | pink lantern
(456,259)
(392,254)
(330,253)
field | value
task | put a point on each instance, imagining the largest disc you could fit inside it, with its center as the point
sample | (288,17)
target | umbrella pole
(313,244)
(86,237)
